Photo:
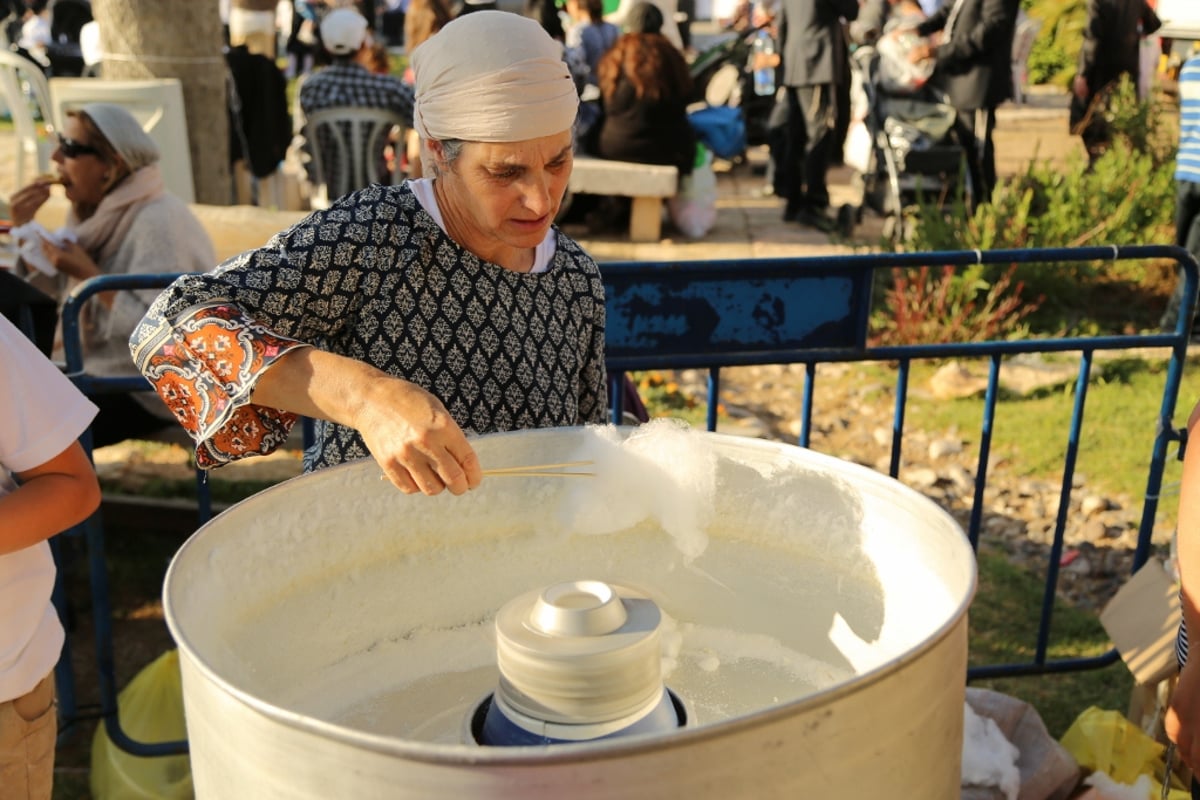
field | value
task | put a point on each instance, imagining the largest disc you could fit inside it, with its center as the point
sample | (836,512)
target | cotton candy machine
(337,637)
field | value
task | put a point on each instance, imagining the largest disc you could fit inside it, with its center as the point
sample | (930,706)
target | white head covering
(343,31)
(492,76)
(124,133)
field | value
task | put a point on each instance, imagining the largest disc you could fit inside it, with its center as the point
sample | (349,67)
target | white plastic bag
(859,147)
(29,242)
(693,209)
(898,74)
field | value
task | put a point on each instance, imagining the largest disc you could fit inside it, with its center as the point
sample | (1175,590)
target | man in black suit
(1111,48)
(974,53)
(814,64)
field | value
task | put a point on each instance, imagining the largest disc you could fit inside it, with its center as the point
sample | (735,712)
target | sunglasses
(73,149)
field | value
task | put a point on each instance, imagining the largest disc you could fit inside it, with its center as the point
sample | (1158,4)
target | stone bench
(647,184)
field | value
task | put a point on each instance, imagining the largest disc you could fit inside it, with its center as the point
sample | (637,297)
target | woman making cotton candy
(121,220)
(405,317)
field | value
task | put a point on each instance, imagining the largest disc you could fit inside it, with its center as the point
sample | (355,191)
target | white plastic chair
(347,146)
(27,96)
(156,103)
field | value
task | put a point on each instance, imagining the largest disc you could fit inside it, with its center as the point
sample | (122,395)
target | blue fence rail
(713,315)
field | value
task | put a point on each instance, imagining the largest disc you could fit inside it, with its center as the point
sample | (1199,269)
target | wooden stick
(538,468)
(537,471)
(514,474)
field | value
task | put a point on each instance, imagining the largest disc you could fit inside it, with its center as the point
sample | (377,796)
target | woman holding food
(121,220)
(405,317)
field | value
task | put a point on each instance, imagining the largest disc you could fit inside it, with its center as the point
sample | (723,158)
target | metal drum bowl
(334,633)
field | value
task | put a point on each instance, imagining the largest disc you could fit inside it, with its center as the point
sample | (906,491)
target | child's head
(375,58)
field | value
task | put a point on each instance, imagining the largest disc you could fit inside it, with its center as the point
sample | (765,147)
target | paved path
(750,226)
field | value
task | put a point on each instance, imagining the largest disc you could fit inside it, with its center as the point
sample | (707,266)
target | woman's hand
(73,260)
(410,433)
(70,259)
(415,440)
(25,202)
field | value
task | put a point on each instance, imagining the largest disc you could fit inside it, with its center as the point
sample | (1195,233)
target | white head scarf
(492,76)
(124,133)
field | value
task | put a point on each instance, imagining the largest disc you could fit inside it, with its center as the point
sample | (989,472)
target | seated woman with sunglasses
(122,220)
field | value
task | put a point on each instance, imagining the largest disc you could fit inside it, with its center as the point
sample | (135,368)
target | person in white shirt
(42,415)
(35,33)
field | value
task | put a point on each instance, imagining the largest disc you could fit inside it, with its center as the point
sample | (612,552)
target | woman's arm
(235,353)
(206,339)
(409,432)
(1183,717)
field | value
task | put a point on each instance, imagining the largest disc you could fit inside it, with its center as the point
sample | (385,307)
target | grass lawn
(1003,622)
(1031,433)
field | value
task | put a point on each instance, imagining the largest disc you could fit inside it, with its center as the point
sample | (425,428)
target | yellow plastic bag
(1108,742)
(151,710)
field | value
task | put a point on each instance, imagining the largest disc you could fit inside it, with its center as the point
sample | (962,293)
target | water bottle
(764,77)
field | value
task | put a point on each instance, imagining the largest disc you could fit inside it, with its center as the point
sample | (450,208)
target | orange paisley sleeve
(204,366)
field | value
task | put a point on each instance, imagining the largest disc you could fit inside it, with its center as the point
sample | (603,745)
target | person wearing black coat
(974,69)
(260,124)
(814,64)
(1111,48)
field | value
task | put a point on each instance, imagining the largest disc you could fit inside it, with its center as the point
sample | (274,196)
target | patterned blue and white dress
(376,279)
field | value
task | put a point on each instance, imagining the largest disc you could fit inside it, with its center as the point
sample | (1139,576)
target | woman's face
(83,176)
(505,195)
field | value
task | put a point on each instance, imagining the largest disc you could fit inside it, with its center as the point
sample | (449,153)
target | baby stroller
(906,151)
(722,76)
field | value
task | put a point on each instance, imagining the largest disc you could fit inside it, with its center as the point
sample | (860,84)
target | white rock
(953,380)
(944,447)
(1092,504)
(919,477)
(961,479)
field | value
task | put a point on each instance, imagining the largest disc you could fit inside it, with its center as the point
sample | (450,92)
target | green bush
(1049,62)
(1127,196)
(1056,50)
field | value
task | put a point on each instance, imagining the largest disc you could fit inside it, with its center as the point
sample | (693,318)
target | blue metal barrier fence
(712,315)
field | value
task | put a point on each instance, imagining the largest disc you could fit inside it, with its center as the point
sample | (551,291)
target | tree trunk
(176,39)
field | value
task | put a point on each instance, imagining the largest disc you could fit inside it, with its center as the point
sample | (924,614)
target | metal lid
(579,652)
